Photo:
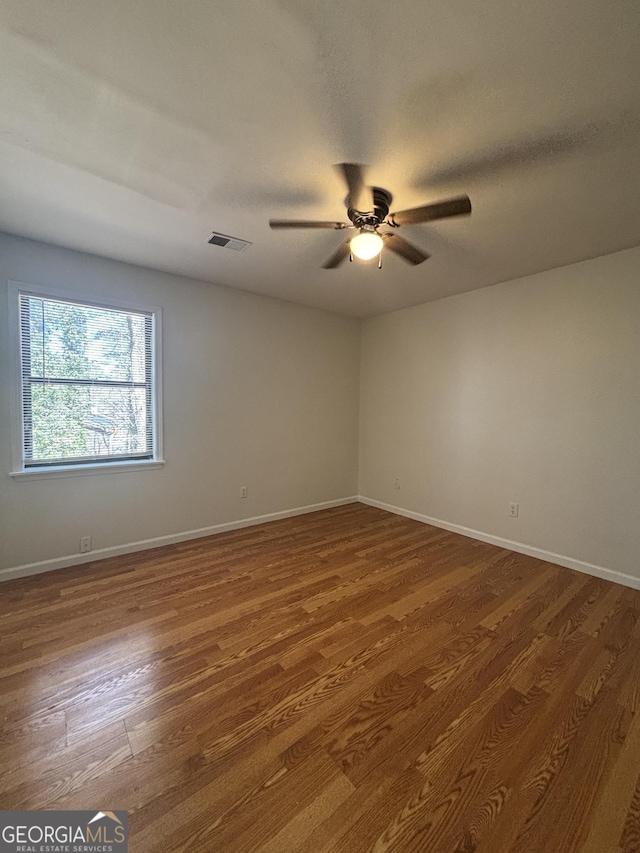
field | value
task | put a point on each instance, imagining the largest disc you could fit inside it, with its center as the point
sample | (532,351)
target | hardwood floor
(343,681)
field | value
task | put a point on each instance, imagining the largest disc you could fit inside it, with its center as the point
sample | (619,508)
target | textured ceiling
(134,129)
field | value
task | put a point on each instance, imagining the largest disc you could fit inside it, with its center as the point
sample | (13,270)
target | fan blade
(406,250)
(459,206)
(360,196)
(585,135)
(306,223)
(338,256)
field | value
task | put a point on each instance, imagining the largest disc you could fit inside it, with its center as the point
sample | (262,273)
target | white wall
(257,392)
(527,391)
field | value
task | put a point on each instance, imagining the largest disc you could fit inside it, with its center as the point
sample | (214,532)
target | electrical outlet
(244,491)
(514,510)
(85,544)
(396,483)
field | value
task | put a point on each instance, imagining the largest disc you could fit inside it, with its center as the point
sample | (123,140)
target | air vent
(228,242)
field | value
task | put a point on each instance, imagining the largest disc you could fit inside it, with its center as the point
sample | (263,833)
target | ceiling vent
(228,242)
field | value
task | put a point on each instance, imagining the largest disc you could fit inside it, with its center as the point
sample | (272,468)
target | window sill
(86,470)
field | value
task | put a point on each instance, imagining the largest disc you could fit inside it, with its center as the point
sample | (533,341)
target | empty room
(320,426)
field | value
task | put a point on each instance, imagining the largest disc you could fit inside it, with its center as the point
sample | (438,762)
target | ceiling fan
(368,210)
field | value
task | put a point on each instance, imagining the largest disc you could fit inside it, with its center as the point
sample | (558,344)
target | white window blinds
(87,382)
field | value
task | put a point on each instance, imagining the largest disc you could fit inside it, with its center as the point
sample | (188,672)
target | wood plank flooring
(346,681)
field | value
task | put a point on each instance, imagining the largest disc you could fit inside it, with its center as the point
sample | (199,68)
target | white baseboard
(157,542)
(173,538)
(519,547)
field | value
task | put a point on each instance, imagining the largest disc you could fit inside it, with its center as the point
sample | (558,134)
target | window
(88,391)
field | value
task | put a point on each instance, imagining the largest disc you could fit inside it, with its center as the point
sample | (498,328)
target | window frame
(17,289)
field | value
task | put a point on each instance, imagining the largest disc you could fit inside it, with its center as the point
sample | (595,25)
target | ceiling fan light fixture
(366,245)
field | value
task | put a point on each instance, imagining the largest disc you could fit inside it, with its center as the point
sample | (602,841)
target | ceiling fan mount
(377,215)
(368,210)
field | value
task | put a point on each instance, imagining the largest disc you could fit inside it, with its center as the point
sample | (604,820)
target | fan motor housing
(381,203)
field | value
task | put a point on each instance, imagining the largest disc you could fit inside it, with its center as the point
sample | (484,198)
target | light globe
(366,245)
